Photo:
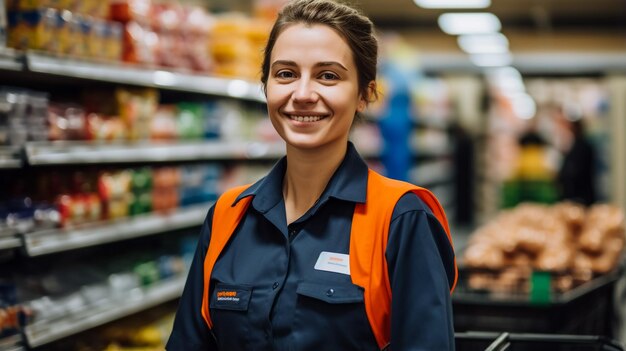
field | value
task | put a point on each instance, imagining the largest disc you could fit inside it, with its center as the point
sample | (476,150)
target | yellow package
(113,41)
(95,42)
(34,30)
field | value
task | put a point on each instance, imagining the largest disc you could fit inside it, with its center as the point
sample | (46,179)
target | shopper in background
(307,257)
(577,174)
(463,160)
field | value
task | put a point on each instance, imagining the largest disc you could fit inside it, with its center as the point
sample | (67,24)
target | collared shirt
(282,299)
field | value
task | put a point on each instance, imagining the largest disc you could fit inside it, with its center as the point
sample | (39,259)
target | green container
(540,288)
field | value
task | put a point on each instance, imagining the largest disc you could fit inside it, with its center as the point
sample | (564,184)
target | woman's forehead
(316,42)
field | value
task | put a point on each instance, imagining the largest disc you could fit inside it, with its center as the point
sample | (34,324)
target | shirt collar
(349,183)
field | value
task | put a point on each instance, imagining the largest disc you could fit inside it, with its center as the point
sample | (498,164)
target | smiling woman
(307,258)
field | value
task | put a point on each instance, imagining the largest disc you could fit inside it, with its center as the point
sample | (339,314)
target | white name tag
(333,262)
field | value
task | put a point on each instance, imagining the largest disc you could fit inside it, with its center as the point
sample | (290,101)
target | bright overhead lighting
(523,105)
(453,4)
(507,80)
(493,43)
(491,60)
(469,23)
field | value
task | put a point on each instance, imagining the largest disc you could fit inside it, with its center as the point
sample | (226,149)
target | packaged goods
(13,316)
(163,125)
(570,241)
(113,41)
(67,122)
(38,29)
(140,44)
(190,122)
(101,127)
(114,191)
(125,11)
(165,190)
(137,108)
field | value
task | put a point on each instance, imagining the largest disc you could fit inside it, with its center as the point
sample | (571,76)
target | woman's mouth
(305,118)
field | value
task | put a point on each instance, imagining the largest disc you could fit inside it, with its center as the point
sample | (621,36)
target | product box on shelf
(39,29)
(13,316)
(23,116)
(137,108)
(166,188)
(199,184)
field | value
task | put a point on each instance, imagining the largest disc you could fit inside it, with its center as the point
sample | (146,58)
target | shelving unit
(10,157)
(9,242)
(11,343)
(121,73)
(60,153)
(35,67)
(58,240)
(134,301)
(11,60)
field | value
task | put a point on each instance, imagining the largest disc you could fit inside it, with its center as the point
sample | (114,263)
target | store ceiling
(544,35)
(535,15)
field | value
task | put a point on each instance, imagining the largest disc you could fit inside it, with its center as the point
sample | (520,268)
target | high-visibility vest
(368,242)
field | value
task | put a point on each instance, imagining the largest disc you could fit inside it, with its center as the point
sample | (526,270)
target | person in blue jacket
(318,73)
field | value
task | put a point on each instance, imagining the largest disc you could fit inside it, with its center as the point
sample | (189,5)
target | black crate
(585,310)
(490,341)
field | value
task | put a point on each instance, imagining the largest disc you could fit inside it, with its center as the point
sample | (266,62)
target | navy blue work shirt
(283,302)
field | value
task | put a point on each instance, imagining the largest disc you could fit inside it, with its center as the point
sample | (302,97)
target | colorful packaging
(190,121)
(113,41)
(137,108)
(36,29)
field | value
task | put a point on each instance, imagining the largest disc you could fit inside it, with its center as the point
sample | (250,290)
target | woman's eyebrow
(331,63)
(319,64)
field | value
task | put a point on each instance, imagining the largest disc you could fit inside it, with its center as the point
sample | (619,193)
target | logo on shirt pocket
(231,297)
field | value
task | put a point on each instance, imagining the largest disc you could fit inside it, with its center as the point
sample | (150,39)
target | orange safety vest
(368,242)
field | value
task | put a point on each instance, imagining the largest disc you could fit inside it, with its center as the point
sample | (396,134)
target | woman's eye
(285,74)
(329,76)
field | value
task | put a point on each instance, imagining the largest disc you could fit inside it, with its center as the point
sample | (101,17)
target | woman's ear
(371,96)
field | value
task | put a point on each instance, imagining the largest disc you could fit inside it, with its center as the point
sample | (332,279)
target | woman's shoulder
(410,202)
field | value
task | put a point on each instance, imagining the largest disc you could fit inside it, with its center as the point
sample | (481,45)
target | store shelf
(60,153)
(127,74)
(11,343)
(131,302)
(10,60)
(50,241)
(10,157)
(9,242)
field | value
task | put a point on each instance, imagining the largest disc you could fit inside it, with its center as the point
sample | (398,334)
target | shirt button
(275,285)
(330,292)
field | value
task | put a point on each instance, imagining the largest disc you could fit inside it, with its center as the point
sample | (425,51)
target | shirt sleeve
(421,270)
(190,332)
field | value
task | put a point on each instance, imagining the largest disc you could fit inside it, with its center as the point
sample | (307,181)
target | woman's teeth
(306,118)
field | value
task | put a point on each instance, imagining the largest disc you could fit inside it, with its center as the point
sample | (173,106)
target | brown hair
(357,29)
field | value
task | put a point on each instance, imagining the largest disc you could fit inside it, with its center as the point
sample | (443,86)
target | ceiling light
(506,79)
(523,105)
(453,4)
(493,43)
(469,23)
(491,60)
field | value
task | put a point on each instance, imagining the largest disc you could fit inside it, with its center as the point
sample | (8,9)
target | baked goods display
(570,241)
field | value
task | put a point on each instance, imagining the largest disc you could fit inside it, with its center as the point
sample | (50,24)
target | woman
(307,257)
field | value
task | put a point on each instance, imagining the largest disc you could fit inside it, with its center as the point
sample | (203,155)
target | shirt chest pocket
(229,306)
(331,316)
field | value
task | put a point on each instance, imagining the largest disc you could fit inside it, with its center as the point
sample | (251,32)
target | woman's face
(312,88)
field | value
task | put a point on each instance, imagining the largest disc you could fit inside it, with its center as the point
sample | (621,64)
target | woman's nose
(305,92)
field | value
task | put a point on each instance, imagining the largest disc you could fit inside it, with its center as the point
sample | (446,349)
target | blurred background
(121,121)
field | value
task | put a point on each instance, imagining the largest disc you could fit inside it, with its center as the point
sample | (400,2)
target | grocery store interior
(121,122)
